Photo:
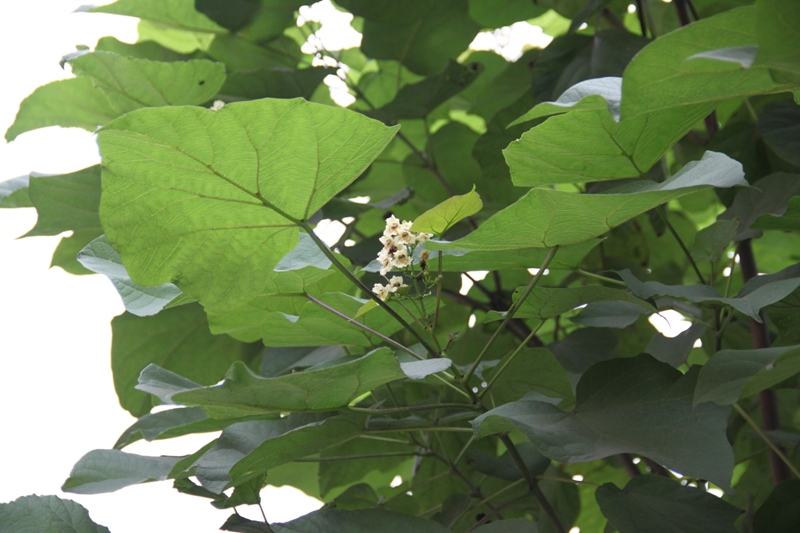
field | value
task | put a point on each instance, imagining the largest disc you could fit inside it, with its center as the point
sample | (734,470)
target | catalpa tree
(646,160)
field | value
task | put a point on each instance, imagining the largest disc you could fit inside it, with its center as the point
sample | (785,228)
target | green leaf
(778,38)
(750,300)
(779,125)
(504,467)
(423,369)
(245,393)
(233,15)
(514,525)
(358,521)
(376,472)
(421,35)
(14,193)
(610,314)
(35,514)
(734,374)
(305,254)
(447,214)
(177,339)
(533,369)
(273,83)
(170,424)
(543,302)
(613,414)
(149,83)
(675,350)
(417,100)
(98,256)
(102,471)
(653,503)
(769,195)
(662,77)
(176,13)
(142,49)
(498,13)
(780,513)
(70,103)
(710,242)
(240,524)
(177,209)
(546,217)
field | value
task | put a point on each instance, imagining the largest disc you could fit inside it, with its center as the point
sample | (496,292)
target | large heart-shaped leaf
(102,471)
(613,414)
(211,199)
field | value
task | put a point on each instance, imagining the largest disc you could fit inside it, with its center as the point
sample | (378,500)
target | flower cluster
(398,250)
(398,243)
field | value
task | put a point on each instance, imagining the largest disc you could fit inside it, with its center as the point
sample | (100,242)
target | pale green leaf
(447,214)
(734,374)
(176,13)
(546,217)
(778,30)
(14,193)
(359,521)
(37,514)
(98,256)
(653,503)
(423,369)
(102,471)
(211,199)
(613,414)
(70,103)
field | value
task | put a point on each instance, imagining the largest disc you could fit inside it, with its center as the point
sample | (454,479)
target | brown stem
(759,332)
(627,463)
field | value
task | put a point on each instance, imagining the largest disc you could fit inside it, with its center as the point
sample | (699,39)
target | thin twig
(686,251)
(775,448)
(508,361)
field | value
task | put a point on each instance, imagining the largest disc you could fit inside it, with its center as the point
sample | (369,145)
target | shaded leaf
(734,374)
(184,214)
(778,38)
(274,83)
(98,256)
(613,414)
(653,503)
(543,302)
(102,471)
(778,125)
(548,217)
(504,467)
(675,350)
(498,13)
(35,514)
(769,195)
(421,35)
(533,369)
(177,339)
(710,242)
(245,393)
(780,513)
(358,521)
(514,525)
(610,314)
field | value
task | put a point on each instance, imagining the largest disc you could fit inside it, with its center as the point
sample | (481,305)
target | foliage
(644,161)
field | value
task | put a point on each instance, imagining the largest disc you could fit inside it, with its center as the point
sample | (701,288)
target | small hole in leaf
(201,82)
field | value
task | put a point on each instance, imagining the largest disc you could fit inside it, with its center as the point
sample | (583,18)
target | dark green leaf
(37,514)
(359,521)
(240,524)
(497,13)
(416,100)
(102,471)
(544,303)
(613,414)
(653,503)
(710,242)
(504,467)
(548,217)
(273,83)
(781,512)
(234,15)
(768,196)
(514,525)
(734,374)
(610,314)
(212,212)
(778,125)
(421,35)
(533,369)
(177,339)
(675,350)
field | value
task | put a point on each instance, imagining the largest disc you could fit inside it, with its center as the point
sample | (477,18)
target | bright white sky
(57,395)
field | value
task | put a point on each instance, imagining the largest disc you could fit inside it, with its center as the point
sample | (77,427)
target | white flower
(392,225)
(404,235)
(396,282)
(389,241)
(401,258)
(217,105)
(422,237)
(382,290)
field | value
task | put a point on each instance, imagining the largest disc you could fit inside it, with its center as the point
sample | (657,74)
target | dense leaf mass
(585,307)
